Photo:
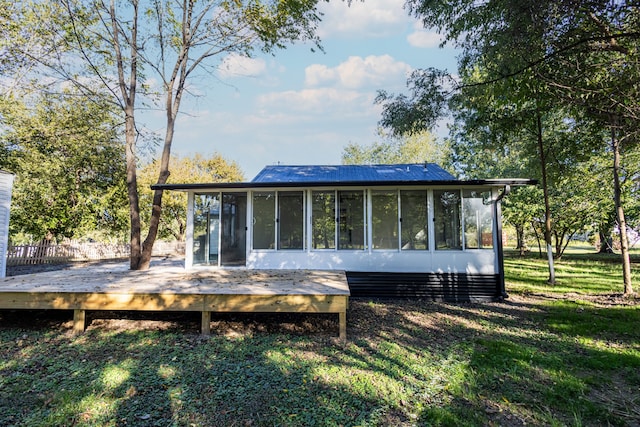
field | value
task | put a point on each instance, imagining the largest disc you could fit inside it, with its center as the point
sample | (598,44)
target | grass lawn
(564,355)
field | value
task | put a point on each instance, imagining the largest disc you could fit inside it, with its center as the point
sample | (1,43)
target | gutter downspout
(502,292)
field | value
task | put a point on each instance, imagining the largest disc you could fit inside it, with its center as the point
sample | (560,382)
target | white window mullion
(431,221)
(188,261)
(276,220)
(368,220)
(462,222)
(399,221)
(305,211)
(220,203)
(308,232)
(336,220)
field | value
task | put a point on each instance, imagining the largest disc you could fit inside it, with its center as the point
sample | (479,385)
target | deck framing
(175,289)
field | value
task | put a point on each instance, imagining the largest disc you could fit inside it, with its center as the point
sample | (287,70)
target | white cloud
(234,65)
(371,18)
(357,72)
(325,101)
(293,127)
(424,39)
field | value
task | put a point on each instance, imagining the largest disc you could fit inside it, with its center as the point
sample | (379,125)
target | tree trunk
(156,209)
(520,243)
(132,189)
(606,241)
(128,88)
(535,231)
(622,224)
(171,107)
(547,209)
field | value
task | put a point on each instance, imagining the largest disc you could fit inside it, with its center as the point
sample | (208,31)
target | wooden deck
(114,287)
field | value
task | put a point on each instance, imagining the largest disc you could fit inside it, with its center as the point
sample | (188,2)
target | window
(384,211)
(206,221)
(290,220)
(264,231)
(478,219)
(351,227)
(446,212)
(413,217)
(323,219)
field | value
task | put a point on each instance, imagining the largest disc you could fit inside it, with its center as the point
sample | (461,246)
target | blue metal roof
(353,173)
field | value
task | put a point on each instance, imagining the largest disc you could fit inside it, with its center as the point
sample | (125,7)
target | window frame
(365,220)
(459,238)
(428,215)
(331,216)
(280,196)
(489,208)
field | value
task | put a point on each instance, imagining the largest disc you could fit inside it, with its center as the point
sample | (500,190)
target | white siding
(470,261)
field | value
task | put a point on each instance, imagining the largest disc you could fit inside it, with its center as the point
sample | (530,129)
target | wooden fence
(75,251)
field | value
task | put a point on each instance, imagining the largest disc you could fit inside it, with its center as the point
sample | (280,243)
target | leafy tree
(119,49)
(194,169)
(581,56)
(65,155)
(417,148)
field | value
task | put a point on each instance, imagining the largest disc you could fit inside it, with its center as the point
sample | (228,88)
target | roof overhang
(345,184)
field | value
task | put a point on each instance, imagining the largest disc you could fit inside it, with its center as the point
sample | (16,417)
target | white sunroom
(396,230)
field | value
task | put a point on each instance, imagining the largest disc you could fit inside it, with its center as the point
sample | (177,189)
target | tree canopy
(184,170)
(128,52)
(68,164)
(418,148)
(565,72)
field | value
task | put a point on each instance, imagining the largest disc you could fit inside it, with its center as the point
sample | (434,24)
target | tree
(418,148)
(118,49)
(194,169)
(521,209)
(581,56)
(65,156)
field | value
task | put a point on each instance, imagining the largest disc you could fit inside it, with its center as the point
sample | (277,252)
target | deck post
(342,318)
(79,321)
(205,327)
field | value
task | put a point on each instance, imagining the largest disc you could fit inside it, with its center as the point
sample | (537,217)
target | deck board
(114,287)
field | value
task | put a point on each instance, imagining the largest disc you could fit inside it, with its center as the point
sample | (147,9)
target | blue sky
(299,107)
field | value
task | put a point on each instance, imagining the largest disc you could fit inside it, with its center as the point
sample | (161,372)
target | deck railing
(76,251)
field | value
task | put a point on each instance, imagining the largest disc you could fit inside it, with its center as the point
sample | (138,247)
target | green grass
(578,271)
(539,360)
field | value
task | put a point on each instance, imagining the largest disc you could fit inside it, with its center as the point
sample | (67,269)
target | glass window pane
(206,222)
(264,230)
(478,219)
(351,222)
(446,211)
(323,219)
(414,225)
(384,211)
(233,234)
(290,220)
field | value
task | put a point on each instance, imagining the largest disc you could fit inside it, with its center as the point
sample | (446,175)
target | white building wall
(470,261)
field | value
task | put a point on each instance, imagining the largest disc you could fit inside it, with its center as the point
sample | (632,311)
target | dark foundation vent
(451,287)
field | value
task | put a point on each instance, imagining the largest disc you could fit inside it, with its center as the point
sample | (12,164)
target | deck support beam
(79,321)
(342,319)
(205,326)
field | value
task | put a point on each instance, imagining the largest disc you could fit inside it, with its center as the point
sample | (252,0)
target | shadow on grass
(533,361)
(514,367)
(257,375)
